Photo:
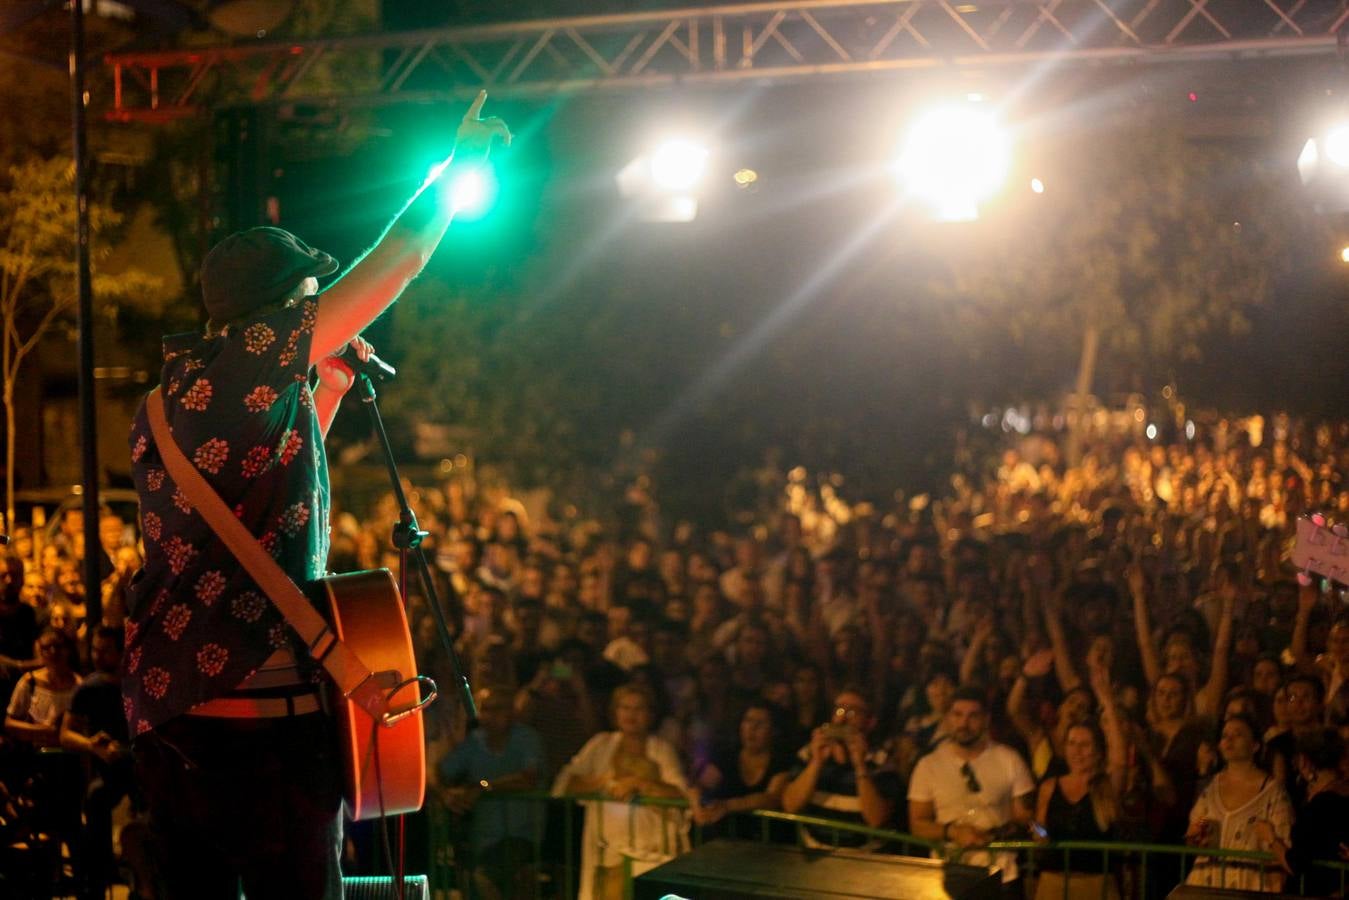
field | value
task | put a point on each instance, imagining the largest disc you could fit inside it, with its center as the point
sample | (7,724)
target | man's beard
(968,738)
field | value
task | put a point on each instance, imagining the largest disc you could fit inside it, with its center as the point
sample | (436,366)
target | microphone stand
(407,537)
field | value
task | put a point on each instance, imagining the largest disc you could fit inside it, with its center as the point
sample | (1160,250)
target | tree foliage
(511,390)
(38,285)
(1147,240)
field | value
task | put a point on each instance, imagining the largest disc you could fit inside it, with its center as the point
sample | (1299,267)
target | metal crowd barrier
(1131,867)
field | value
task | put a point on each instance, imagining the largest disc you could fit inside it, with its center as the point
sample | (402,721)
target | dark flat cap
(252,268)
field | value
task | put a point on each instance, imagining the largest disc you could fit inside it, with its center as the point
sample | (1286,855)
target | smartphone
(560,670)
(838,732)
(1039,831)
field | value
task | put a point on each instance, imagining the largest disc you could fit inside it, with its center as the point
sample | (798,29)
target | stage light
(1337,145)
(472,193)
(1037,185)
(745,177)
(1323,162)
(953,159)
(677,165)
(663,182)
(1344,254)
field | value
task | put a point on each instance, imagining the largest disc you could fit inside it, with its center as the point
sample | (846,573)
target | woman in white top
(43,695)
(1240,797)
(623,765)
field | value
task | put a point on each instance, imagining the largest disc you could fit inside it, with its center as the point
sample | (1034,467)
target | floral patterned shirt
(241,410)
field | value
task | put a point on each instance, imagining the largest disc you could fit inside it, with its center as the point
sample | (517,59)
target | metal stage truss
(774,41)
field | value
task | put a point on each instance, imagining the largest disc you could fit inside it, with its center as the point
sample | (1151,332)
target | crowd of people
(1115,649)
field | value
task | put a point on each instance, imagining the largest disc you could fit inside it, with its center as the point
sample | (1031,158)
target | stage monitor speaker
(361,887)
(738,870)
(1196,892)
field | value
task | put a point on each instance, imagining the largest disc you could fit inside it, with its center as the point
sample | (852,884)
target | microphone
(374,367)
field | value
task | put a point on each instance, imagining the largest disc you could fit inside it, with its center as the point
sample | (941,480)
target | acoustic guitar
(384,759)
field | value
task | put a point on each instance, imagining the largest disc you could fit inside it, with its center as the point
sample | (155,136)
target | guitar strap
(353,678)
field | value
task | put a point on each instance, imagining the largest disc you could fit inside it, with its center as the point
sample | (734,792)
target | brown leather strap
(257,707)
(352,676)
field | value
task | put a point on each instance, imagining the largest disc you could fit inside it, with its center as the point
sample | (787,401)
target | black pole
(85,318)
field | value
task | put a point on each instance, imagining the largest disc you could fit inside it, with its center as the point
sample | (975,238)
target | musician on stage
(235,754)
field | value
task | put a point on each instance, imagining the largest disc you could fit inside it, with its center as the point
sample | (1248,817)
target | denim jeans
(255,803)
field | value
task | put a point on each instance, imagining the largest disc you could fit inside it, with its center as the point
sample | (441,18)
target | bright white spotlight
(1344,254)
(1337,145)
(953,159)
(678,165)
(1037,185)
(471,192)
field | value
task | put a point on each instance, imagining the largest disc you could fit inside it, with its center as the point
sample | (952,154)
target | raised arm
(1035,667)
(880,627)
(1039,585)
(1063,658)
(969,663)
(1306,602)
(1147,651)
(876,808)
(1116,746)
(797,792)
(1210,698)
(378,277)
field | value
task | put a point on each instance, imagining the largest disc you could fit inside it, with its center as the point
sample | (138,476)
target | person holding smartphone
(842,777)
(558,702)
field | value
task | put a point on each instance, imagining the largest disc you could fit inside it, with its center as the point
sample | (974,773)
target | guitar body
(367,614)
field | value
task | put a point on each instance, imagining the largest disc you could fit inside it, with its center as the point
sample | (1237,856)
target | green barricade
(554,853)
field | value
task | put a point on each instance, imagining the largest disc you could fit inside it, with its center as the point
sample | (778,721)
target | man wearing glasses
(842,778)
(969,789)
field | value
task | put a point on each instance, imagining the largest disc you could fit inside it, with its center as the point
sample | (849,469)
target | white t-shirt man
(980,796)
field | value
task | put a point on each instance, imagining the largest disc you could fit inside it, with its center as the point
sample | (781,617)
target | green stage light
(472,193)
